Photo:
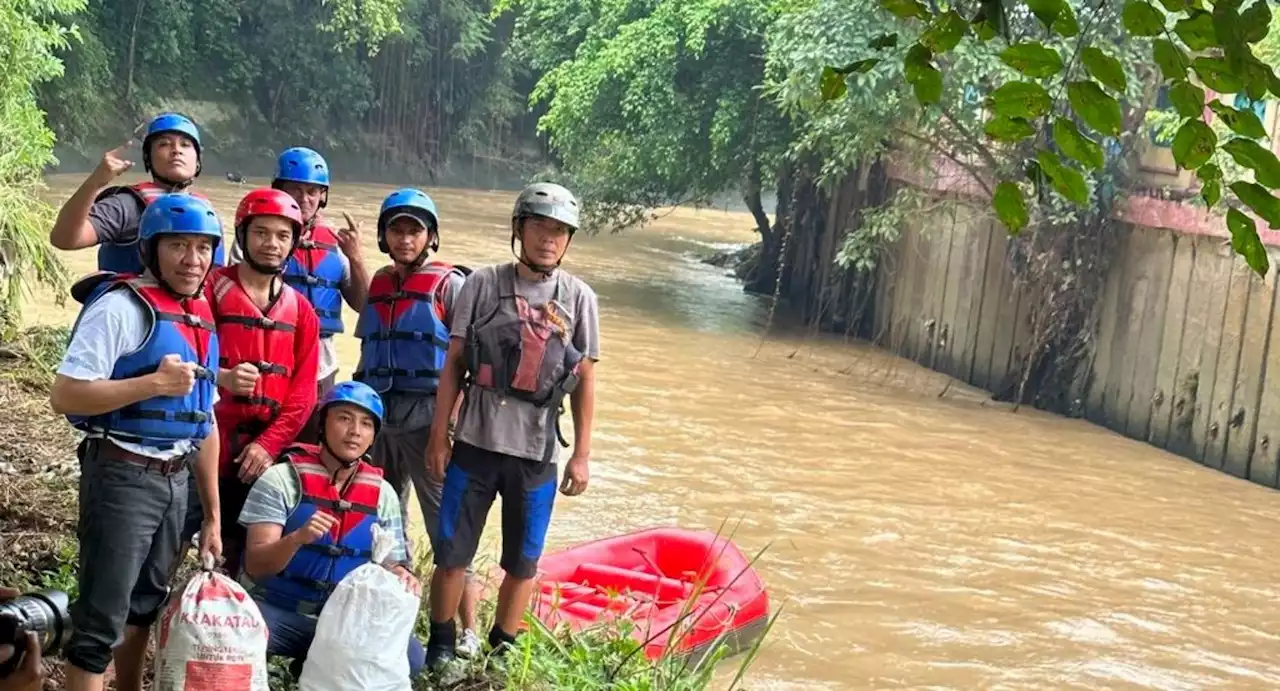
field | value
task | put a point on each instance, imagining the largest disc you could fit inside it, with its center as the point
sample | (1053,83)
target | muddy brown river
(913,541)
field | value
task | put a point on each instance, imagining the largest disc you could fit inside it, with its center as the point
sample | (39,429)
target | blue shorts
(474,479)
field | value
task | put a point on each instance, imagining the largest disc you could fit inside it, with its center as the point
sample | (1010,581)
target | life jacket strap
(259,323)
(263,367)
(336,551)
(418,336)
(313,245)
(190,416)
(186,318)
(361,375)
(342,505)
(311,281)
(273,404)
(402,295)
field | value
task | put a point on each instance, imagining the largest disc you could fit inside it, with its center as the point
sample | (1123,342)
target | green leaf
(1257,77)
(1047,11)
(989,21)
(1226,25)
(1075,145)
(1209,171)
(1032,59)
(1188,99)
(1066,25)
(1251,155)
(1104,68)
(1143,19)
(906,9)
(884,41)
(1242,122)
(945,32)
(1006,129)
(1193,144)
(1212,192)
(1246,243)
(1096,108)
(928,86)
(1175,5)
(1196,30)
(1255,21)
(859,66)
(832,85)
(1020,100)
(917,58)
(1217,75)
(1010,207)
(1172,61)
(1066,180)
(1259,199)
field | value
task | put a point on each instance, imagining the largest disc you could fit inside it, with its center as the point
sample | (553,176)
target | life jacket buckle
(190,319)
(311,280)
(344,505)
(267,323)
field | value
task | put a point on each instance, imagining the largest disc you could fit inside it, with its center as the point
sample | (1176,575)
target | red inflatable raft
(654,578)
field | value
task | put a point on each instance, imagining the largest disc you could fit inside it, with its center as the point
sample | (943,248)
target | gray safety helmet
(549,200)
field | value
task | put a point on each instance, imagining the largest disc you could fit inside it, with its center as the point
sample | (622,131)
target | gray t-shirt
(509,425)
(115,219)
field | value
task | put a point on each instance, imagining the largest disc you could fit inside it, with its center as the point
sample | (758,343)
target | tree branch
(971,140)
(968,167)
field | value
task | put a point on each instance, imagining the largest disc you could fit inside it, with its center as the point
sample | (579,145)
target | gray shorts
(130,519)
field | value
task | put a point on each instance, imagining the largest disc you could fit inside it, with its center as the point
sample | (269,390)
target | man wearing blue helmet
(139,379)
(327,266)
(310,522)
(106,216)
(404,335)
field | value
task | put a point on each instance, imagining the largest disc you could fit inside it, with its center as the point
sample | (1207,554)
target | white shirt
(115,325)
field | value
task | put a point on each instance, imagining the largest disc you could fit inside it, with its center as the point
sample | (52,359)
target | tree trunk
(133,45)
(751,197)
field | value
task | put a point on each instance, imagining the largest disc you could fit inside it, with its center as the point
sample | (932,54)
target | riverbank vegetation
(38,499)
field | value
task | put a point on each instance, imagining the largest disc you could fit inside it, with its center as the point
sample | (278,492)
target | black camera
(43,613)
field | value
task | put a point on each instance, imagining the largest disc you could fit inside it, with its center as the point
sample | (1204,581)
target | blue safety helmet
(175,214)
(357,394)
(304,165)
(165,123)
(413,202)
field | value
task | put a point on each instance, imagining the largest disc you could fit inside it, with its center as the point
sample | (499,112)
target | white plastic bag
(362,636)
(212,638)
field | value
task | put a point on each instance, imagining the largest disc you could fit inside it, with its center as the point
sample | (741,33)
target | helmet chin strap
(342,464)
(540,269)
(433,245)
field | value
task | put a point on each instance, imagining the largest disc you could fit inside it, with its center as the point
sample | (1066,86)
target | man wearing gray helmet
(523,336)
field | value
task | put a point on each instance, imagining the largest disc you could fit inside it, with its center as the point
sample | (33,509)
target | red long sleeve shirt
(301,397)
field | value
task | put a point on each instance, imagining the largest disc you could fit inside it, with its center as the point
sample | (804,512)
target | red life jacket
(246,334)
(402,331)
(308,578)
(123,258)
(147,192)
